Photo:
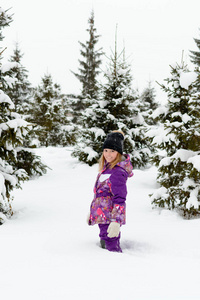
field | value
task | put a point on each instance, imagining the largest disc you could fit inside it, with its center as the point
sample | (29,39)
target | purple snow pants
(112,244)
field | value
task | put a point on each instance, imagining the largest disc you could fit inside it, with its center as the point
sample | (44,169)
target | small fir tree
(178,170)
(21,91)
(148,104)
(50,115)
(116,109)
(90,63)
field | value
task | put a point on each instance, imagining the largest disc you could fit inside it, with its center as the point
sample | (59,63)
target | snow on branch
(8,66)
(188,156)
(5,99)
(91,153)
(186,79)
(195,160)
(98,132)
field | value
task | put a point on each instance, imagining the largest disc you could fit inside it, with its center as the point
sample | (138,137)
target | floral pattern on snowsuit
(110,194)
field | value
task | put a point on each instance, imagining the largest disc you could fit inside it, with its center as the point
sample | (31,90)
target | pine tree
(13,129)
(5,20)
(178,169)
(195,58)
(116,109)
(195,55)
(90,63)
(21,91)
(50,114)
(148,104)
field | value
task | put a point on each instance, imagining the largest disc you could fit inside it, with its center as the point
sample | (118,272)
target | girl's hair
(117,159)
(112,164)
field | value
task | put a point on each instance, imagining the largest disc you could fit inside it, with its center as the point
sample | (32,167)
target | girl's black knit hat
(114,141)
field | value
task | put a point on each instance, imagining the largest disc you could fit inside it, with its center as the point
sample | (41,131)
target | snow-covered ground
(48,252)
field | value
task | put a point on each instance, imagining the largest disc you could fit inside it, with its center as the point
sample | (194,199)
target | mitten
(113,229)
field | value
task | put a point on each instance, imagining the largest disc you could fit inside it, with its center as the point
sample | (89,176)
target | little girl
(108,206)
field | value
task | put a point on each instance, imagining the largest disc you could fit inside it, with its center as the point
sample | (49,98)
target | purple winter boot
(111,244)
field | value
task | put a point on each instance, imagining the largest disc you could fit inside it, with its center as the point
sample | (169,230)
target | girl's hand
(113,229)
(88,218)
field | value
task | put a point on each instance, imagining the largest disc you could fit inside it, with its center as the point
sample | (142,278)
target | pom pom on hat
(114,141)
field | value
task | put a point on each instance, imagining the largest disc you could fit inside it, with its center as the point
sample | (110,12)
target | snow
(91,153)
(173,99)
(49,252)
(184,154)
(98,132)
(161,135)
(138,119)
(188,183)
(195,160)
(161,192)
(67,127)
(103,103)
(9,81)
(193,199)
(164,162)
(2,187)
(8,66)
(6,99)
(15,124)
(10,178)
(159,111)
(187,78)
(186,118)
(175,124)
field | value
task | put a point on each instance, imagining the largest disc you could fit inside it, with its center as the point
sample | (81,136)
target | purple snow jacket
(110,193)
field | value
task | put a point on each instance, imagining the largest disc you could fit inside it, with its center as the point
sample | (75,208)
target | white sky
(154,33)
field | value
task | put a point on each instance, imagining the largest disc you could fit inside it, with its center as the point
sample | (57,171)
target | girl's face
(109,155)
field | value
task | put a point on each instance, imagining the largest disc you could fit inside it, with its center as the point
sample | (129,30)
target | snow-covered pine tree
(13,129)
(195,55)
(148,104)
(67,128)
(195,59)
(5,20)
(90,63)
(116,109)
(123,106)
(88,72)
(178,168)
(21,91)
(49,112)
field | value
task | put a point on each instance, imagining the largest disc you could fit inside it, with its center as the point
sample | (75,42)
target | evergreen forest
(167,136)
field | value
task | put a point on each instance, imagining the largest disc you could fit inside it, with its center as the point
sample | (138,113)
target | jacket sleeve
(119,192)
